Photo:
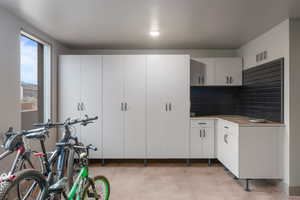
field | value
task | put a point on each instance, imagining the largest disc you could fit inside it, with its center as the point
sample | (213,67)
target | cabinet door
(157,105)
(168,106)
(208,143)
(228,71)
(202,72)
(135,99)
(91,86)
(113,116)
(196,143)
(69,88)
(178,115)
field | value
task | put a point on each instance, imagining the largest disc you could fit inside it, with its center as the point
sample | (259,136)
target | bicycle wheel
(30,183)
(89,190)
(102,187)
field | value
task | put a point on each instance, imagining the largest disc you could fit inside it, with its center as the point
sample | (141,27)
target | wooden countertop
(243,121)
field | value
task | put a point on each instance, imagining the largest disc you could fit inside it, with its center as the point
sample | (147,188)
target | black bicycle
(50,183)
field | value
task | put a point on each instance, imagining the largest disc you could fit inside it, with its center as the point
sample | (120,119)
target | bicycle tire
(102,187)
(89,190)
(27,174)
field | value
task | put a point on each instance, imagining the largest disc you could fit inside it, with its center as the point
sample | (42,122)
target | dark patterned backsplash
(262,92)
(214,100)
(261,95)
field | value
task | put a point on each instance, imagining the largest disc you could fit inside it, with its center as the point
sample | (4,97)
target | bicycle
(14,142)
(84,187)
(51,186)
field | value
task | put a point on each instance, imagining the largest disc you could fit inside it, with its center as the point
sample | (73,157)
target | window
(29,74)
(35,76)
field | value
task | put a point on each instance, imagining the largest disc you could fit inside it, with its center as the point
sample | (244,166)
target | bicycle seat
(38,135)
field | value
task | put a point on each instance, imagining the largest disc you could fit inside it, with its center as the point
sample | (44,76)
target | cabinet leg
(103,162)
(247,188)
(145,162)
(188,162)
(209,162)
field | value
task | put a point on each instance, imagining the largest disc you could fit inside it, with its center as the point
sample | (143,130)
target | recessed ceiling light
(154,33)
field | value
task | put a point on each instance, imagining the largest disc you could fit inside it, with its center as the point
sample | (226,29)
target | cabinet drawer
(202,123)
(229,126)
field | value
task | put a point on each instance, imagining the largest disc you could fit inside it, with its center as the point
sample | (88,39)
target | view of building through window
(29,74)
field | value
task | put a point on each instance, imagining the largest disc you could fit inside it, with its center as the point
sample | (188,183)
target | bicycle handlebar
(68,122)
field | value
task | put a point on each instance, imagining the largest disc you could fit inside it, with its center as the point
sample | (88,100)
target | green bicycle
(85,187)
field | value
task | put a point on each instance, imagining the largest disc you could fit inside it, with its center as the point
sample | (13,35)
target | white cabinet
(216,71)
(228,71)
(202,72)
(202,138)
(124,106)
(249,152)
(113,107)
(227,145)
(167,106)
(80,95)
(135,106)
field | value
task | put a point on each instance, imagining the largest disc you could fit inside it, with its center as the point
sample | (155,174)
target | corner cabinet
(80,94)
(216,71)
(249,152)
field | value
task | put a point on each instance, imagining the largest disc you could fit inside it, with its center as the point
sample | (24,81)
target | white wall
(10,26)
(276,43)
(194,53)
(295,105)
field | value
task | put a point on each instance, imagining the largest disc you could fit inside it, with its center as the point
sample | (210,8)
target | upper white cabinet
(202,72)
(167,106)
(216,71)
(80,95)
(229,71)
(124,106)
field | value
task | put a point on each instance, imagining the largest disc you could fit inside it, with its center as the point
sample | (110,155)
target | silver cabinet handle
(227,79)
(230,79)
(202,123)
(166,107)
(226,127)
(200,133)
(170,106)
(126,108)
(226,138)
(122,106)
(82,106)
(78,106)
(204,133)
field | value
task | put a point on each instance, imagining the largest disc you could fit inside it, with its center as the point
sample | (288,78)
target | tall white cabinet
(142,102)
(124,106)
(167,106)
(80,95)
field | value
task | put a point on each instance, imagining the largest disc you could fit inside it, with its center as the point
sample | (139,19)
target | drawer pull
(226,138)
(226,127)
(202,123)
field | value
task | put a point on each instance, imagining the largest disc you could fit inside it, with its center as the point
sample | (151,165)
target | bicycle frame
(84,173)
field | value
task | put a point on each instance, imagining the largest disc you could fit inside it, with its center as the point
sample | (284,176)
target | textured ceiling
(125,24)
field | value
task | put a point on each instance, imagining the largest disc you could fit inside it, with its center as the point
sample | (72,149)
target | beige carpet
(166,181)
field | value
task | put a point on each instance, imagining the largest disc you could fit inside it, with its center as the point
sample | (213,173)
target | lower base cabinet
(202,139)
(249,152)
